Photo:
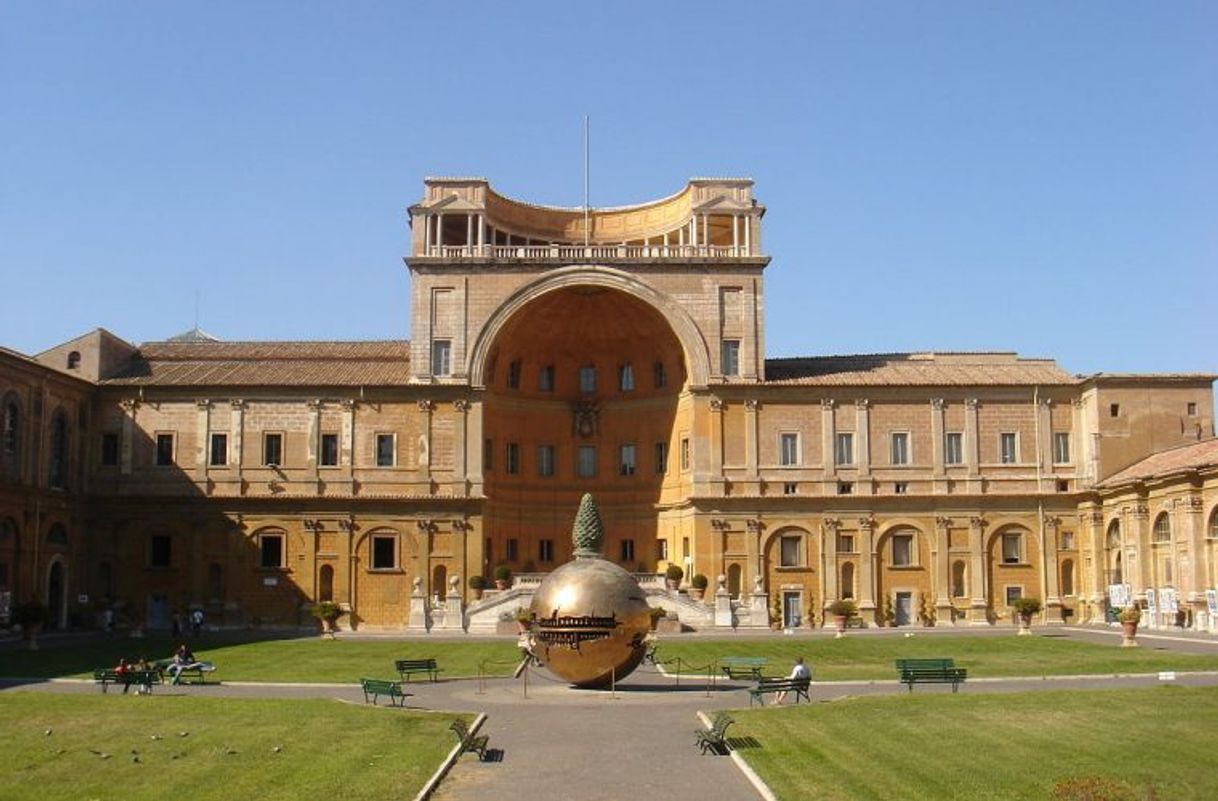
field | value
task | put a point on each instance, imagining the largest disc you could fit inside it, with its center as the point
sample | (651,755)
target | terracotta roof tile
(917,369)
(195,363)
(1176,460)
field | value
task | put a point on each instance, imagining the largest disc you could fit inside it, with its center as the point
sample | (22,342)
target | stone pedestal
(945,614)
(418,619)
(723,604)
(759,610)
(454,613)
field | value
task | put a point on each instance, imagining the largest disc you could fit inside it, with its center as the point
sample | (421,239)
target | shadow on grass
(743,743)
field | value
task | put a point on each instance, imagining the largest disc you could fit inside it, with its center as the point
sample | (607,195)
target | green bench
(408,667)
(715,738)
(743,667)
(766,686)
(930,671)
(375,688)
(142,679)
(196,670)
(470,743)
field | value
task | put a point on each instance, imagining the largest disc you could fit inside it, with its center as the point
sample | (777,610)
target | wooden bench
(715,738)
(930,671)
(766,686)
(470,743)
(407,667)
(196,670)
(375,688)
(143,679)
(742,667)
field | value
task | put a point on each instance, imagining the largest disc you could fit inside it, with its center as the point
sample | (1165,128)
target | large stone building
(618,351)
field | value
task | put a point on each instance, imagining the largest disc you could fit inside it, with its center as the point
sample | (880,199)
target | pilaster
(867,561)
(978,591)
(941,581)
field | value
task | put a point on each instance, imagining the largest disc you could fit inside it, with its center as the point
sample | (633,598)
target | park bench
(767,686)
(196,670)
(375,688)
(407,667)
(742,667)
(470,743)
(144,679)
(715,738)
(930,671)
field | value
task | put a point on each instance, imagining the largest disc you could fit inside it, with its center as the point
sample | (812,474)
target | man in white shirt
(800,671)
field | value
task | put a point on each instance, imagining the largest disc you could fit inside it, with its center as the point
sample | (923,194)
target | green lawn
(985,746)
(328,749)
(871,657)
(305,659)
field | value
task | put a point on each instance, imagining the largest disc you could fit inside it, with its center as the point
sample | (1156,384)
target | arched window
(1162,530)
(1113,539)
(847,590)
(733,580)
(439,580)
(325,582)
(57,473)
(1067,577)
(74,360)
(1213,526)
(959,587)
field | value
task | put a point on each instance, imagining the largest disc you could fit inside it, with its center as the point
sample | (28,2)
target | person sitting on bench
(800,671)
(183,658)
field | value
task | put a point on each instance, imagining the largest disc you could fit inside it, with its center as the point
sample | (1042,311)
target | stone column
(1049,569)
(346,440)
(828,536)
(203,409)
(418,619)
(238,434)
(977,613)
(972,445)
(1044,445)
(828,431)
(941,556)
(715,477)
(1093,587)
(1137,549)
(460,450)
(1192,572)
(751,457)
(862,425)
(938,428)
(313,442)
(454,611)
(127,447)
(867,565)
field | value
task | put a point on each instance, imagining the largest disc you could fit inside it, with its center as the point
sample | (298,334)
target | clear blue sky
(1039,177)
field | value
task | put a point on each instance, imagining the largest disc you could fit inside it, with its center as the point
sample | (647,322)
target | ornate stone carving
(867,523)
(752,405)
(754,526)
(461,405)
(862,404)
(129,404)
(827,403)
(943,523)
(348,404)
(719,524)
(717,404)
(1051,523)
(313,525)
(971,403)
(937,404)
(588,533)
(978,522)
(831,524)
(202,404)
(585,419)
(425,405)
(237,403)
(426,526)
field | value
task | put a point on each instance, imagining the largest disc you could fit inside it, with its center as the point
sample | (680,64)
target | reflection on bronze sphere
(590,617)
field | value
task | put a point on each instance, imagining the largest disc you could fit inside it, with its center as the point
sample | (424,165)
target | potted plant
(776,613)
(328,613)
(503,577)
(842,610)
(673,576)
(1025,608)
(1130,616)
(697,586)
(31,616)
(477,583)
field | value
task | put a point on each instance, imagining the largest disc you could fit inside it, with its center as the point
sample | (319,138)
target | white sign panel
(1167,600)
(1211,600)
(1118,596)
(1151,606)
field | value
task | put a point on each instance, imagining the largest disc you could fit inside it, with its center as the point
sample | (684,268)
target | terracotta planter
(697,594)
(477,594)
(500,584)
(1129,632)
(672,584)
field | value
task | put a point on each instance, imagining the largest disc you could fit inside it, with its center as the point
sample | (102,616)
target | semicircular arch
(697,355)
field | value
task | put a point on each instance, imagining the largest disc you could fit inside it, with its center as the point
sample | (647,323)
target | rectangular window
(511,458)
(441,357)
(587,379)
(731,357)
(109,450)
(384,552)
(790,488)
(659,376)
(626,461)
(625,378)
(164,450)
(788,446)
(488,454)
(900,488)
(953,448)
(902,550)
(513,378)
(270,550)
(845,543)
(662,550)
(585,465)
(843,449)
(627,551)
(160,551)
(898,451)
(791,552)
(218,454)
(1067,543)
(545,551)
(512,549)
(845,488)
(1114,410)
(1191,408)
(685,547)
(1008,451)
(272,450)
(545,460)
(385,450)
(1010,549)
(545,378)
(329,450)
(1013,592)
(1061,448)
(661,458)
(684,454)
